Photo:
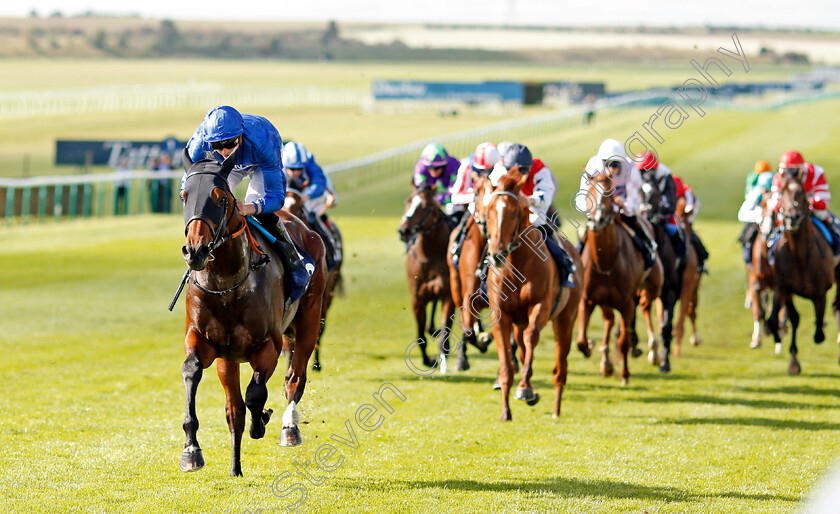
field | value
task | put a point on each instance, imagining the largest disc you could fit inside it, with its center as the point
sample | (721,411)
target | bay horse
(527,290)
(672,266)
(425,228)
(689,296)
(236,310)
(614,277)
(295,205)
(761,281)
(804,265)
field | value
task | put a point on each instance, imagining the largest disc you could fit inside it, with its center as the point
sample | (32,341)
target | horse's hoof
(695,340)
(625,382)
(607,369)
(290,437)
(506,416)
(462,363)
(653,358)
(587,351)
(676,350)
(819,337)
(755,344)
(497,385)
(429,363)
(484,339)
(665,367)
(316,366)
(794,368)
(527,395)
(479,343)
(192,459)
(778,348)
(636,352)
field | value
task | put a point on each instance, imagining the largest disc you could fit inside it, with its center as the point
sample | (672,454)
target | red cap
(647,161)
(790,159)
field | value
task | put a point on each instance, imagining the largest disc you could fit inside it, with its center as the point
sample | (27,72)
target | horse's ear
(228,163)
(185,159)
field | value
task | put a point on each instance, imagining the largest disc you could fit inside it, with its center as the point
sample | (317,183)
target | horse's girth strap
(251,240)
(627,228)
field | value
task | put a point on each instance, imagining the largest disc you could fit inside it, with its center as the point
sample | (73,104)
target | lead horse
(237,311)
(804,266)
(527,289)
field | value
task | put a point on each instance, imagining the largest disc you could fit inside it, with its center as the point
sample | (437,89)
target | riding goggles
(225,144)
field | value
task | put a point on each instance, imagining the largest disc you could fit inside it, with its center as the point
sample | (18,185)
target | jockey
(692,205)
(612,156)
(752,179)
(539,189)
(304,174)
(751,213)
(462,192)
(438,169)
(812,177)
(660,175)
(224,130)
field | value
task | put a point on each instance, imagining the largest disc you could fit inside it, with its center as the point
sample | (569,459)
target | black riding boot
(326,238)
(284,246)
(643,242)
(702,253)
(461,235)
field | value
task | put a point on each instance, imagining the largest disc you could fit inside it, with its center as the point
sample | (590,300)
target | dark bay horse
(426,229)
(294,205)
(528,292)
(236,311)
(614,277)
(672,266)
(804,266)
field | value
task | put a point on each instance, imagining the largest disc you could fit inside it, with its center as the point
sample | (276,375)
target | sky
(815,14)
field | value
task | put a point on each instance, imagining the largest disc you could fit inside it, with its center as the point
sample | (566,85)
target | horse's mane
(510,184)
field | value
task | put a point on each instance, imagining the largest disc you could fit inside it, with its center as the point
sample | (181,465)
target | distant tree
(122,42)
(331,34)
(98,40)
(33,13)
(168,38)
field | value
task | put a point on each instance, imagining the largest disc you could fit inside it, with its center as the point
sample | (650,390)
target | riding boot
(833,224)
(702,253)
(460,236)
(564,263)
(747,238)
(643,240)
(319,229)
(283,244)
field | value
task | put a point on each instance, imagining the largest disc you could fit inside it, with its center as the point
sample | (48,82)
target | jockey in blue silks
(307,177)
(260,146)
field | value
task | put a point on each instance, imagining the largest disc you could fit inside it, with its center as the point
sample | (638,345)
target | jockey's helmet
(295,155)
(762,166)
(433,156)
(222,123)
(791,163)
(647,161)
(518,154)
(485,157)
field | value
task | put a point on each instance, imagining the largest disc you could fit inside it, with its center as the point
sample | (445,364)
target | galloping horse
(804,267)
(465,285)
(294,205)
(236,310)
(614,277)
(528,292)
(691,284)
(761,280)
(672,267)
(425,228)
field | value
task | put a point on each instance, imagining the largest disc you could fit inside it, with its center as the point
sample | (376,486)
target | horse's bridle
(420,228)
(515,241)
(220,237)
(793,222)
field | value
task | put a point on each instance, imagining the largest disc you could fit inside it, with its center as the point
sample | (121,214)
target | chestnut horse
(691,284)
(294,205)
(614,277)
(761,280)
(804,267)
(426,229)
(527,289)
(236,310)
(465,284)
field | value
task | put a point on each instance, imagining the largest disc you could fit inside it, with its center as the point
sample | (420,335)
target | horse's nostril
(185,251)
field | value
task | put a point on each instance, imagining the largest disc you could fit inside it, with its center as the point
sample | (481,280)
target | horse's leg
(263,363)
(502,331)
(584,312)
(819,315)
(667,327)
(307,326)
(607,368)
(448,312)
(563,325)
(634,337)
(793,368)
(647,306)
(432,328)
(419,308)
(757,306)
(835,305)
(234,410)
(528,338)
(200,354)
(695,338)
(624,343)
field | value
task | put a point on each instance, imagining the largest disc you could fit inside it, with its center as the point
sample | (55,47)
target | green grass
(93,399)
